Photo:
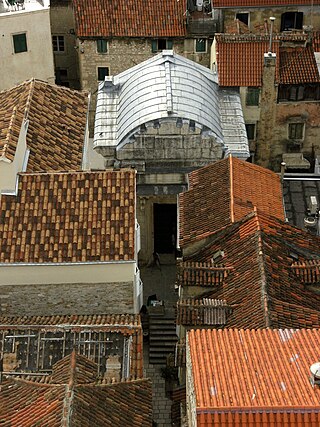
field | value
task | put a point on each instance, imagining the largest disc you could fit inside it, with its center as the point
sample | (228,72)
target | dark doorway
(165,227)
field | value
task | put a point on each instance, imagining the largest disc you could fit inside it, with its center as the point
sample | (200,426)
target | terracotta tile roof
(74,393)
(97,320)
(262,288)
(298,66)
(130,18)
(57,124)
(240,60)
(254,377)
(224,192)
(308,271)
(200,274)
(69,217)
(261,3)
(96,335)
(203,311)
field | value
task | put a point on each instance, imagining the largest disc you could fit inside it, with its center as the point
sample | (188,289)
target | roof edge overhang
(65,264)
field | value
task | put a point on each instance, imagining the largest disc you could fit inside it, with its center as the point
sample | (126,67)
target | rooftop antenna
(272,19)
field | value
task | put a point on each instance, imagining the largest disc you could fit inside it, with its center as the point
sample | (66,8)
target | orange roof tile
(130,18)
(261,3)
(262,288)
(240,60)
(254,377)
(224,192)
(74,393)
(69,217)
(308,271)
(298,66)
(56,124)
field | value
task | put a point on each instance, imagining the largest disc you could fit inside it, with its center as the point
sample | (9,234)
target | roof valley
(231,190)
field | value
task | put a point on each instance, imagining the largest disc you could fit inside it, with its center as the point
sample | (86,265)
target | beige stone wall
(62,24)
(258,15)
(123,54)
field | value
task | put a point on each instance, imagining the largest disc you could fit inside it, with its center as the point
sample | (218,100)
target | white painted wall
(38,60)
(9,170)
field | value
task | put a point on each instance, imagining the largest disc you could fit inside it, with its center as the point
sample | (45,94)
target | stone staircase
(162,337)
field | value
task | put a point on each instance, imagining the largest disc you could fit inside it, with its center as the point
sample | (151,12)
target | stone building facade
(164,118)
(64,44)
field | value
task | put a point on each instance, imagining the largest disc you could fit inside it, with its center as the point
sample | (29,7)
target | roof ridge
(69,393)
(231,189)
(29,99)
(262,269)
(9,134)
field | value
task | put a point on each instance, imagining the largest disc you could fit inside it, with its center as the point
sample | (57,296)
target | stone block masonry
(75,298)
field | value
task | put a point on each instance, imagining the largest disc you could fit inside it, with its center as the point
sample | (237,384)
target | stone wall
(77,298)
(62,24)
(259,15)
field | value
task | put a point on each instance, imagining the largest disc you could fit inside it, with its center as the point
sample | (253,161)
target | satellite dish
(315,370)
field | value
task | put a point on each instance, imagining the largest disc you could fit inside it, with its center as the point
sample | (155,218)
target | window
(291,21)
(161,44)
(102,73)
(243,17)
(102,46)
(253,94)
(62,77)
(201,45)
(58,43)
(296,130)
(20,42)
(251,131)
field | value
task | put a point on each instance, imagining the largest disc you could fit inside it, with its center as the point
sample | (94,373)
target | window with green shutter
(253,94)
(102,46)
(20,43)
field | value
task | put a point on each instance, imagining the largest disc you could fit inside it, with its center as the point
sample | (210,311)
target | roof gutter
(57,264)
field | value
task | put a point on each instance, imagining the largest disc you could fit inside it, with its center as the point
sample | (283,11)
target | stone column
(267,111)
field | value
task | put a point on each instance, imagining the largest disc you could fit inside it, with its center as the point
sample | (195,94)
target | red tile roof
(308,271)
(200,274)
(254,377)
(74,393)
(56,124)
(240,60)
(203,311)
(224,192)
(261,3)
(69,217)
(75,329)
(130,18)
(262,288)
(298,66)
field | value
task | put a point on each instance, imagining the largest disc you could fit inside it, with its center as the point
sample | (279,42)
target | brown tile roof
(130,18)
(74,320)
(200,274)
(74,394)
(203,311)
(254,377)
(298,66)
(240,60)
(308,271)
(98,335)
(69,217)
(57,124)
(224,192)
(261,3)
(262,288)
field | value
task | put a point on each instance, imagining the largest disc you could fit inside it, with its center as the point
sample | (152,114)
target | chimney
(268,103)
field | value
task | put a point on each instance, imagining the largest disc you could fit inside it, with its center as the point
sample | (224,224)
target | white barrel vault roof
(166,87)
